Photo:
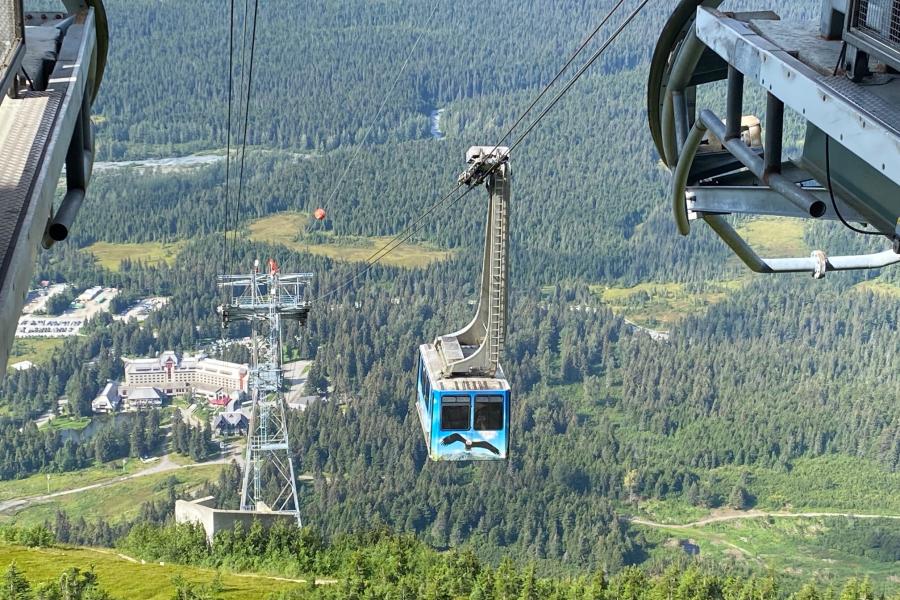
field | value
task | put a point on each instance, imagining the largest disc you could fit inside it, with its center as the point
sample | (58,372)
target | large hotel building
(217,380)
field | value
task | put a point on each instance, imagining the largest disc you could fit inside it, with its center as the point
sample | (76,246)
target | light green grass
(835,483)
(877,286)
(75,423)
(790,547)
(37,350)
(110,256)
(773,237)
(286,229)
(114,502)
(36,485)
(670,511)
(127,580)
(660,305)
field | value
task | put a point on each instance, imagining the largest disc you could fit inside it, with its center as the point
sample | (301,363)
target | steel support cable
(228,134)
(581,71)
(240,193)
(559,73)
(518,121)
(403,236)
(387,96)
(398,240)
(521,117)
(240,103)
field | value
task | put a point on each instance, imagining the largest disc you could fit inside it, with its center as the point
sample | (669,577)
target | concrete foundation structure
(214,520)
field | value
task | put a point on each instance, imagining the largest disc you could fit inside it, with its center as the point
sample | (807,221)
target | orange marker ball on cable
(319,214)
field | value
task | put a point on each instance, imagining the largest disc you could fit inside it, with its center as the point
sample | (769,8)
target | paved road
(756,514)
(295,377)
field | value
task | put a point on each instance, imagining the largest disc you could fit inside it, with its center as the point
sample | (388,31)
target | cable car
(463,396)
(462,418)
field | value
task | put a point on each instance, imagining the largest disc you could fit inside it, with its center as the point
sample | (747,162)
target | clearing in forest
(115,502)
(110,255)
(660,305)
(799,548)
(287,229)
(774,237)
(36,350)
(878,286)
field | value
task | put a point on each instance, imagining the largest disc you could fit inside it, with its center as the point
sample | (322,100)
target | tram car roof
(433,364)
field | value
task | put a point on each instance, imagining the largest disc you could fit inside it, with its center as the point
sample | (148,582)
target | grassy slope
(36,485)
(284,229)
(878,286)
(660,305)
(789,547)
(37,350)
(128,580)
(773,237)
(114,502)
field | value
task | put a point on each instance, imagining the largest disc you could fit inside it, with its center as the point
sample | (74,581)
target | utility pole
(265,300)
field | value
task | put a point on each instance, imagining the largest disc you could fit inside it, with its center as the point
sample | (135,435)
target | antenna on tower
(266,299)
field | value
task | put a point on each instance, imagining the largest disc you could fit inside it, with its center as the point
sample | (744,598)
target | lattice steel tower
(265,299)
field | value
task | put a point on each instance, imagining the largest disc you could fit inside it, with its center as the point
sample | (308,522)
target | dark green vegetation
(383,565)
(781,395)
(27,450)
(375,565)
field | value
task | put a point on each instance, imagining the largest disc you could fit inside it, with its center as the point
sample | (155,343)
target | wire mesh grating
(879,19)
(10,31)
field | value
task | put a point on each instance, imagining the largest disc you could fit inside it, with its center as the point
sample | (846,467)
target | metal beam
(803,89)
(54,112)
(818,263)
(757,200)
(814,207)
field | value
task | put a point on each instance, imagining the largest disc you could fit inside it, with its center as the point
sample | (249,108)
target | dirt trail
(163,466)
(319,581)
(734,515)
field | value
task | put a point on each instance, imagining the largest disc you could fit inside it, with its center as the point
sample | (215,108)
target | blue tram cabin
(463,418)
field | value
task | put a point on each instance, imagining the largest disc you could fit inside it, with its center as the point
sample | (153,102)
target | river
(435,116)
(193,160)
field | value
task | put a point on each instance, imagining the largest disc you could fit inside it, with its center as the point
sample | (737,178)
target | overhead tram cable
(240,193)
(340,182)
(240,108)
(448,200)
(228,135)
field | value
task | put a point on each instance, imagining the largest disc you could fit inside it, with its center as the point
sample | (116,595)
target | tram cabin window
(455,413)
(488,413)
(425,385)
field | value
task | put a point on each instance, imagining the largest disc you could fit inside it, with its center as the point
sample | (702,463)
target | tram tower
(266,299)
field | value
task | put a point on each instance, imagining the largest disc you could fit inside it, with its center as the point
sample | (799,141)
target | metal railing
(12,41)
(874,27)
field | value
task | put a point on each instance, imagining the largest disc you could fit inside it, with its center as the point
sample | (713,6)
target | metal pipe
(817,263)
(737,244)
(79,163)
(679,77)
(680,177)
(679,107)
(58,228)
(760,200)
(735,99)
(800,197)
(774,134)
